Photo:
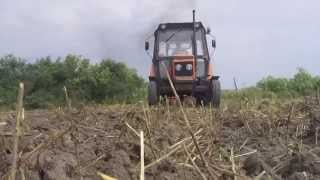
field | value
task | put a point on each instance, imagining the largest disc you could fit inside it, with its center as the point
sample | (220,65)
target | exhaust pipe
(194,43)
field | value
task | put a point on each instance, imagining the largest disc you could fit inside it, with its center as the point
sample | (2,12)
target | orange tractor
(181,49)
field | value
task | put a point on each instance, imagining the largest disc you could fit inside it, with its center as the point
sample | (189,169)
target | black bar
(194,43)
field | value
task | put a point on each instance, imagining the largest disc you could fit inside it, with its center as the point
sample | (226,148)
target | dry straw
(20,117)
(141,156)
(205,163)
(105,177)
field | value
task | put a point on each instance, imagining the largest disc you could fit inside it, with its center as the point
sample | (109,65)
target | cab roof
(186,25)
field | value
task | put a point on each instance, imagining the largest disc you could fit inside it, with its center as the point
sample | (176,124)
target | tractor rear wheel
(216,93)
(153,97)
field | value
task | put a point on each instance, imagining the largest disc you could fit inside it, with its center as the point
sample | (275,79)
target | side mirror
(208,30)
(214,43)
(146,45)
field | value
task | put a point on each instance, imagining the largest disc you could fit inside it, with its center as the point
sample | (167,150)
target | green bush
(276,89)
(302,84)
(105,82)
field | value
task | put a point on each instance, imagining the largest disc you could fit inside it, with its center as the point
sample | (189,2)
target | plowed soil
(262,141)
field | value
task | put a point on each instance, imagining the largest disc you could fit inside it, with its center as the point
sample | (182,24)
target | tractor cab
(182,50)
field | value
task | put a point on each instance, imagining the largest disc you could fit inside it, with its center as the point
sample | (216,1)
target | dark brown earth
(62,144)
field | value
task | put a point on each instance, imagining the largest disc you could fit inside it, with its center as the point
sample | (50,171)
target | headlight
(189,67)
(178,67)
(163,26)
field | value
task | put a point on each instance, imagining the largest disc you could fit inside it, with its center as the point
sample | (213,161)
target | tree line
(301,84)
(105,82)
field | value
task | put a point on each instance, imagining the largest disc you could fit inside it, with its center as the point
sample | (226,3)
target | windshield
(174,42)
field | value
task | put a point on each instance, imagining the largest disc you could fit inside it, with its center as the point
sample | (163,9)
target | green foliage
(12,70)
(275,90)
(303,83)
(106,82)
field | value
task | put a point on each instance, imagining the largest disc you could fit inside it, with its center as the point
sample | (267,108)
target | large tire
(153,96)
(216,93)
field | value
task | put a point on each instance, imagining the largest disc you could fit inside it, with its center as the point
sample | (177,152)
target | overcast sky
(254,38)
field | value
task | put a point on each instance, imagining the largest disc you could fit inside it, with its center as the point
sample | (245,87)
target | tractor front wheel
(216,93)
(153,97)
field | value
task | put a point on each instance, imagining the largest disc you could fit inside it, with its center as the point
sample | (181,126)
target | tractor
(181,55)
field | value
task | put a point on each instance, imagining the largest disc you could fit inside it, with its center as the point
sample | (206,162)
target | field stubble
(262,141)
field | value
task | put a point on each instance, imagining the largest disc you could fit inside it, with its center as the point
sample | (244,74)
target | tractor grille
(183,69)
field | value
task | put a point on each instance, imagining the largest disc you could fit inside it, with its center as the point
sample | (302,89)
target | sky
(254,38)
